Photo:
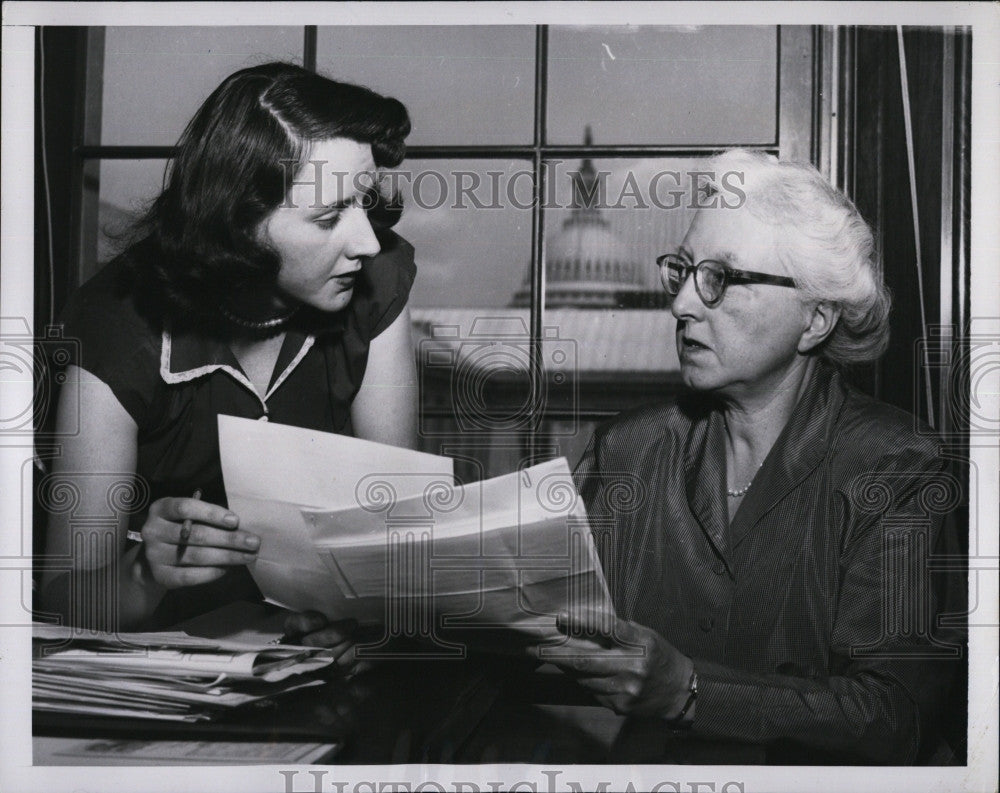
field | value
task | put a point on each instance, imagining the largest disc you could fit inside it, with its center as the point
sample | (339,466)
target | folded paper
(388,538)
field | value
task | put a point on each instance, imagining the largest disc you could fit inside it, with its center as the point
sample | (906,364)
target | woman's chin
(331,304)
(698,379)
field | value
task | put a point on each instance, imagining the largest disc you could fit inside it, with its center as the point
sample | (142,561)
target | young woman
(263,283)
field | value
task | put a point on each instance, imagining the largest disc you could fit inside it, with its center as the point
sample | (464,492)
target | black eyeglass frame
(730,275)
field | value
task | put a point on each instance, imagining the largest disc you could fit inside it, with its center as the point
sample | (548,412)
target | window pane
(156,77)
(461,84)
(124,189)
(470,222)
(613,217)
(659,85)
(609,221)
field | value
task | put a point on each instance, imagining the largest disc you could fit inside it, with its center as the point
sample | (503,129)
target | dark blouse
(174,386)
(811,617)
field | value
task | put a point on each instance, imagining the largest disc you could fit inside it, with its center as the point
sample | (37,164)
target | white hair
(826,246)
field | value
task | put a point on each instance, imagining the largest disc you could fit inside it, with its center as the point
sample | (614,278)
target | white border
(495,13)
(16,773)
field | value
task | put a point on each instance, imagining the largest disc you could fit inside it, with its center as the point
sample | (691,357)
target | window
(533,319)
(663,85)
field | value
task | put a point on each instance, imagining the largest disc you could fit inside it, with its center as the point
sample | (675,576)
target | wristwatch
(678,722)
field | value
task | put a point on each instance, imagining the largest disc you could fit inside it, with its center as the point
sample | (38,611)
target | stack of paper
(168,676)
(358,529)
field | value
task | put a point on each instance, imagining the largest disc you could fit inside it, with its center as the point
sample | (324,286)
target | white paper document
(272,471)
(386,537)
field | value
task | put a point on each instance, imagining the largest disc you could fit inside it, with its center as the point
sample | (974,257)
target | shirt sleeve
(887,676)
(111,341)
(388,280)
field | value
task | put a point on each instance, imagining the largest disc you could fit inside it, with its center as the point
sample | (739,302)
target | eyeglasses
(710,277)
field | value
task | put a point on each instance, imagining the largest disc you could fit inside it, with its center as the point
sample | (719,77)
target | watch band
(692,686)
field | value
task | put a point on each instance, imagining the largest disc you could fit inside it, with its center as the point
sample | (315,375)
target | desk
(404,711)
(481,710)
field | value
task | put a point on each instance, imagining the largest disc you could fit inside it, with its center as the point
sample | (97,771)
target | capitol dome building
(606,344)
(586,264)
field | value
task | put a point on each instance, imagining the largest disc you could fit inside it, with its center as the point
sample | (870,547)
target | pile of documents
(357,529)
(165,676)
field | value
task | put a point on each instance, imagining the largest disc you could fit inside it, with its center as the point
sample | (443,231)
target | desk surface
(403,711)
(481,710)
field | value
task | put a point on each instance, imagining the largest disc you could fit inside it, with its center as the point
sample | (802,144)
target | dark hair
(199,237)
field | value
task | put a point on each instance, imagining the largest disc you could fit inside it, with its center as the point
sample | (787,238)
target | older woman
(763,594)
(261,284)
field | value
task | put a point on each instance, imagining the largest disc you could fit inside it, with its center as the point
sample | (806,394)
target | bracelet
(692,686)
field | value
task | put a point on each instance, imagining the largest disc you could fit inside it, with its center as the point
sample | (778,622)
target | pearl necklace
(262,324)
(743,490)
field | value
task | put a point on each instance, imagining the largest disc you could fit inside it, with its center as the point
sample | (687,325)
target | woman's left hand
(312,629)
(639,673)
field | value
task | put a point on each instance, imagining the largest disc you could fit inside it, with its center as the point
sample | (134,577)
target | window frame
(799,134)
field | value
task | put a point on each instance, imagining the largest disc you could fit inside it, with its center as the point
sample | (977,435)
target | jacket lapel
(799,449)
(705,478)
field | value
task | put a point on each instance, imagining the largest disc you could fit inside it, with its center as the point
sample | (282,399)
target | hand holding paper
(382,535)
(271,471)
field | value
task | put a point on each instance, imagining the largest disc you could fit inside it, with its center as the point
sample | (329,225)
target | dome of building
(586,264)
(589,252)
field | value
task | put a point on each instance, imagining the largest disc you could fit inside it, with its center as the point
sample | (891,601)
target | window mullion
(310,35)
(537,310)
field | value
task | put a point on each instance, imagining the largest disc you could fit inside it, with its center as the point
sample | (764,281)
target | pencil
(186,528)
